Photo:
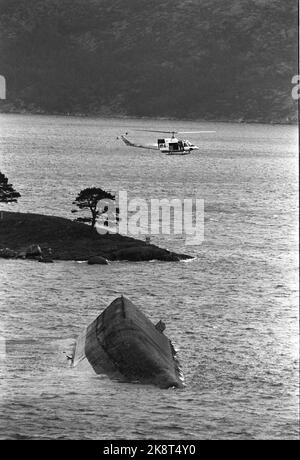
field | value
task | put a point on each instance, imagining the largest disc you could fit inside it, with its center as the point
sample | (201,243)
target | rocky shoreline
(49,238)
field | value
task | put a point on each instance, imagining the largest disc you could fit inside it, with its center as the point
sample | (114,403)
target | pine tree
(88,199)
(7,193)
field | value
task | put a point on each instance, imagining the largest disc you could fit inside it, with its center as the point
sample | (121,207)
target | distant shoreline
(109,115)
(69,240)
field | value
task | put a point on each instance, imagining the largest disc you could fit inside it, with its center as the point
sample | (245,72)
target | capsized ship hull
(124,344)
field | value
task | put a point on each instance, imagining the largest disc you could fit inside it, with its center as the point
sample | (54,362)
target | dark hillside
(206,59)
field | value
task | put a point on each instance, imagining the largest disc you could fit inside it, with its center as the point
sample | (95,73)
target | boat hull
(124,344)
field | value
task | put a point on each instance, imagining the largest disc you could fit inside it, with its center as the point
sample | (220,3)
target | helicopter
(169,145)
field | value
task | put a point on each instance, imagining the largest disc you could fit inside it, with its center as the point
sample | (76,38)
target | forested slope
(204,59)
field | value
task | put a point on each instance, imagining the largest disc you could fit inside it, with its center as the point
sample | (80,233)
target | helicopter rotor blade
(194,132)
(172,131)
(156,131)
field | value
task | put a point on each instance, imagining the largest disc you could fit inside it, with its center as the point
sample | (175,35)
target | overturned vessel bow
(124,344)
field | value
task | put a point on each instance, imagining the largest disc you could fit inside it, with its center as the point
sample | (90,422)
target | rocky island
(47,238)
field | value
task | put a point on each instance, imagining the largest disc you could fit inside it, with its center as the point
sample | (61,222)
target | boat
(125,345)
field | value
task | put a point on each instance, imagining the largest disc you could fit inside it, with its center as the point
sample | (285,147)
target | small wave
(47,396)
(187,261)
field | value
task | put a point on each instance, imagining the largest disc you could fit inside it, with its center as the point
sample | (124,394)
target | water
(232,312)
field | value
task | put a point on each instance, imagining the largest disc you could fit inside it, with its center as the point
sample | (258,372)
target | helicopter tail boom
(141,146)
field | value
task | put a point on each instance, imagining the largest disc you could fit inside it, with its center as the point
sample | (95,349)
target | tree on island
(7,193)
(88,199)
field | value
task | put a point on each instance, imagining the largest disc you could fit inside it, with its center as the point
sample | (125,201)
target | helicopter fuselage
(173,146)
(169,146)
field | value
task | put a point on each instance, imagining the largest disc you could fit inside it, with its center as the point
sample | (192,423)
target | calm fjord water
(232,312)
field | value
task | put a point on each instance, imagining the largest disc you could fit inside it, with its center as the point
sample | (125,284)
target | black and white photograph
(149,187)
